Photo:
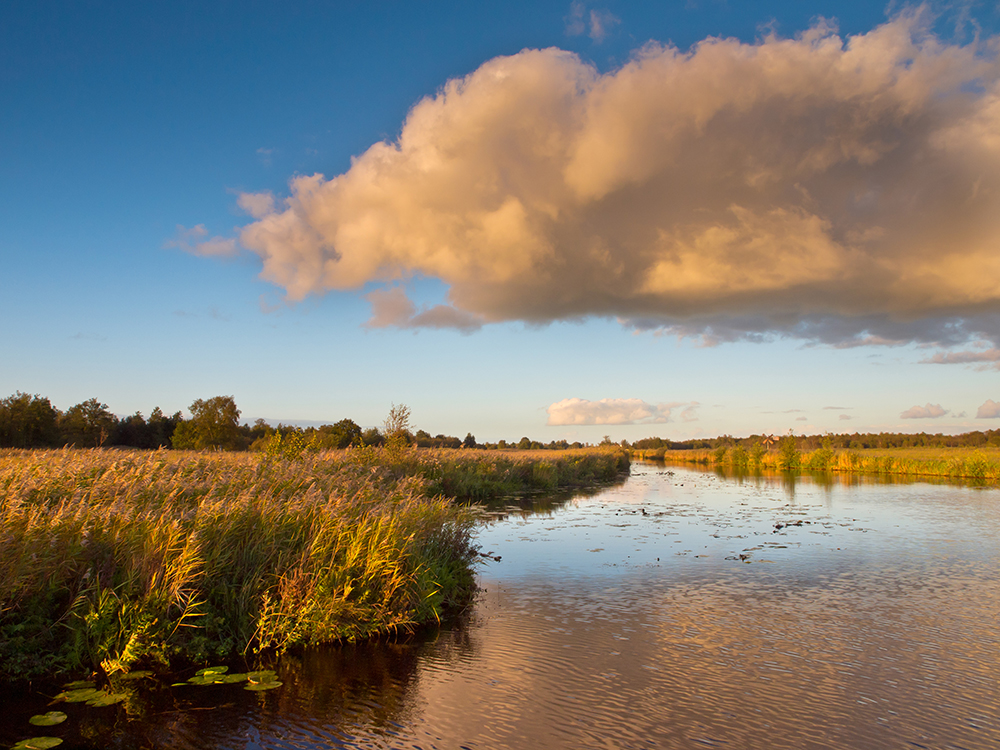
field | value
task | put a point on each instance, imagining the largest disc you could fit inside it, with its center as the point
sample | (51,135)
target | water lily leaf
(48,720)
(137,675)
(263,685)
(179,684)
(207,679)
(107,699)
(232,678)
(265,675)
(78,696)
(38,743)
(212,670)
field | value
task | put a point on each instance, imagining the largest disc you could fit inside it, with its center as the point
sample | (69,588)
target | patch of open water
(679,609)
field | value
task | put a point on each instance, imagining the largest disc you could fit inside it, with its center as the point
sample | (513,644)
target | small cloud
(989,410)
(265,155)
(88,336)
(689,414)
(929,411)
(188,240)
(845,417)
(836,408)
(596,24)
(802,419)
(391,307)
(258,205)
(617,411)
(991,356)
(575,24)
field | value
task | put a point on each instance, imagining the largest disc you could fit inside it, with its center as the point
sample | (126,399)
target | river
(679,609)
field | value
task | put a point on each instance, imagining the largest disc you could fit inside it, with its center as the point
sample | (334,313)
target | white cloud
(793,187)
(601,23)
(191,241)
(845,417)
(617,411)
(989,410)
(929,411)
(258,205)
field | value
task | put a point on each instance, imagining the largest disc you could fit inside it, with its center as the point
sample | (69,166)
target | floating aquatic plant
(49,719)
(38,743)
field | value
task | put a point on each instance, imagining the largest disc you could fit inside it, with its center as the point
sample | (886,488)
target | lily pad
(48,720)
(265,675)
(179,684)
(257,686)
(107,699)
(212,670)
(207,679)
(233,678)
(38,743)
(78,696)
(79,685)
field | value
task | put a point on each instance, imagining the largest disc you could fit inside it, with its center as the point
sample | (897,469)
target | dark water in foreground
(677,610)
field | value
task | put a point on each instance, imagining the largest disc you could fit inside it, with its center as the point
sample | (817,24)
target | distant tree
(214,423)
(28,422)
(788,453)
(88,424)
(340,435)
(524,444)
(161,427)
(470,441)
(133,432)
(372,436)
(396,428)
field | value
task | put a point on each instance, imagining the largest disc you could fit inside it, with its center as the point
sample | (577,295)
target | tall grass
(112,558)
(950,463)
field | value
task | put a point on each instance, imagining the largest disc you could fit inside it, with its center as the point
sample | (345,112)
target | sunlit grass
(978,464)
(112,558)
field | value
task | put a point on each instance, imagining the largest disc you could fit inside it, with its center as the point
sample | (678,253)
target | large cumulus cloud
(838,189)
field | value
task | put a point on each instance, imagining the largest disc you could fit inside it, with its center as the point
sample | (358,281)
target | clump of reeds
(109,558)
(962,465)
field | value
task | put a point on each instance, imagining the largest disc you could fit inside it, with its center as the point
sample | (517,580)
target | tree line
(31,421)
(848,441)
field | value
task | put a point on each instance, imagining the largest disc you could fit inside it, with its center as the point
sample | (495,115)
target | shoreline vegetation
(115,559)
(979,464)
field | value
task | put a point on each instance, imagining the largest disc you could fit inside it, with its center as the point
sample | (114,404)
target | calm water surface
(677,610)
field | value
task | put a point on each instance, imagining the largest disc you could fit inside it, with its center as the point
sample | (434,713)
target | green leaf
(207,679)
(265,675)
(107,699)
(263,685)
(232,678)
(48,720)
(79,685)
(38,743)
(212,670)
(78,696)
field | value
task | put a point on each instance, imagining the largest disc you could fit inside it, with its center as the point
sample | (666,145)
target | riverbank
(110,559)
(976,464)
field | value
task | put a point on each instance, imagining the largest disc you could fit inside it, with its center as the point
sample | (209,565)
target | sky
(562,220)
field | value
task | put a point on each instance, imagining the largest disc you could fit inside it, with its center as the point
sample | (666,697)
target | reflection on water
(680,609)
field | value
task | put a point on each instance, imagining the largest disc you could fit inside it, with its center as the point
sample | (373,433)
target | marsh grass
(964,464)
(109,559)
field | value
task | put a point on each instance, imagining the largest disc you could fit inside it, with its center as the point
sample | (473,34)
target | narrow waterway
(679,609)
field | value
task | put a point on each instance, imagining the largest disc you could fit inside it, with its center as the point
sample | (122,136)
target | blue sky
(621,286)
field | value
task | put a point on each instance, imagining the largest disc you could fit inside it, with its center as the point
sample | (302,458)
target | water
(677,610)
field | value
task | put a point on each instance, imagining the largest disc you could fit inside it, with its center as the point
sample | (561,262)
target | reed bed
(109,559)
(980,465)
